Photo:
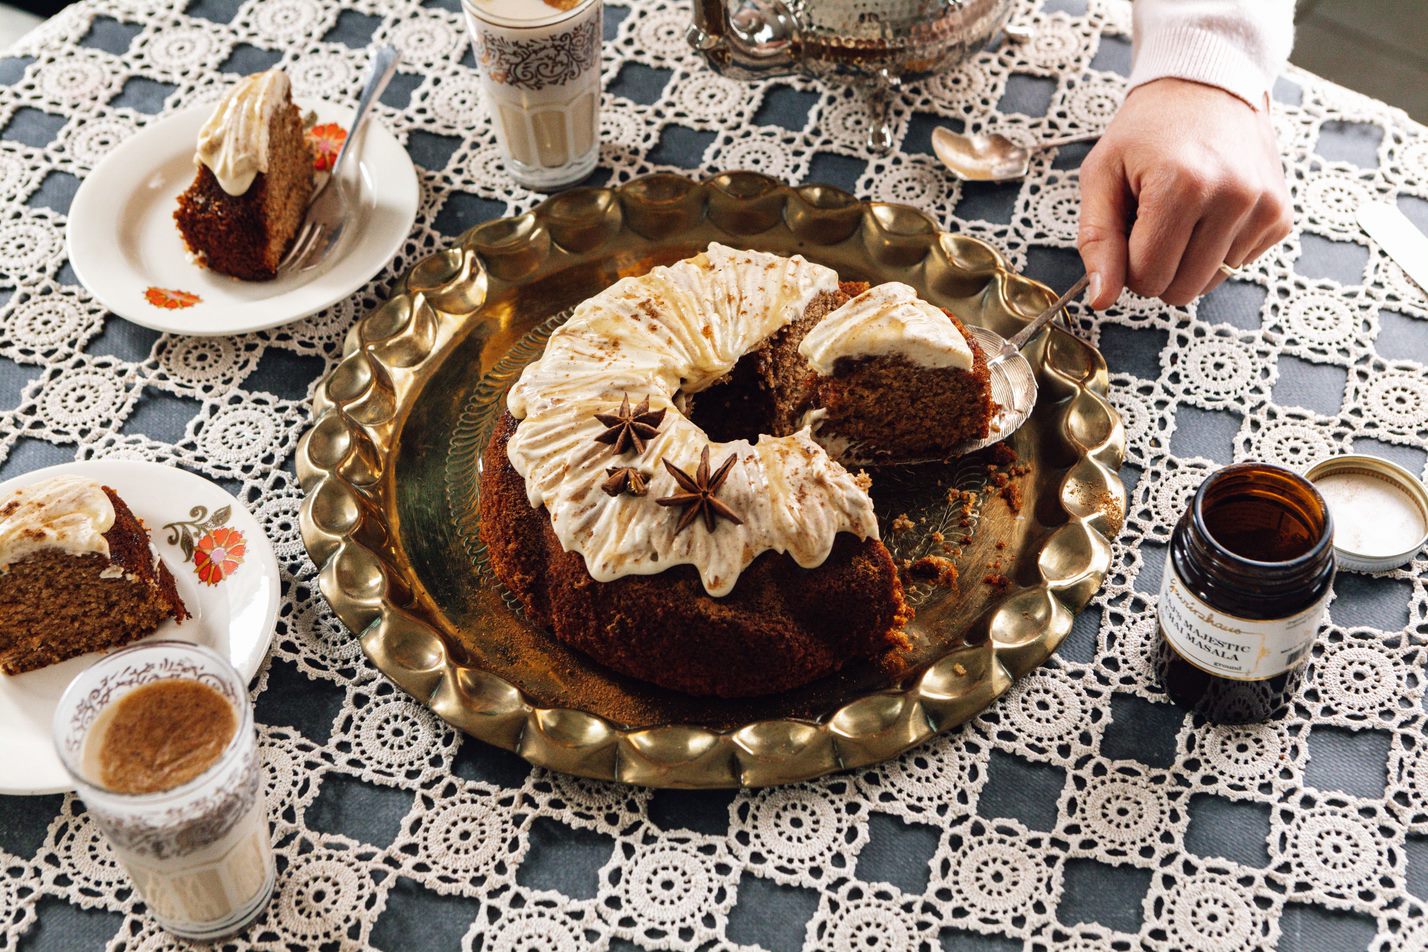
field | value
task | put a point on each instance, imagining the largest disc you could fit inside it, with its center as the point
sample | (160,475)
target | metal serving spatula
(1013,380)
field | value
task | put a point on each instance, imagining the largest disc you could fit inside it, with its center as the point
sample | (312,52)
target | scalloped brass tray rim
(358,410)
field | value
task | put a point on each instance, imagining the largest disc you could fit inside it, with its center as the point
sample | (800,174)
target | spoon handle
(384,64)
(1068,140)
(1020,338)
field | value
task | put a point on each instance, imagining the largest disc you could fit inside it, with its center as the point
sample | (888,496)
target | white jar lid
(1380,510)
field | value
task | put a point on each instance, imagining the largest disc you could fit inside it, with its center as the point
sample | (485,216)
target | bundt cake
(664,492)
(77,574)
(254,178)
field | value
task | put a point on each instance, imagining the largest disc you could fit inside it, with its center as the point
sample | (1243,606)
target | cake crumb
(997,581)
(863,481)
(938,537)
(958,669)
(1001,544)
(902,523)
(936,569)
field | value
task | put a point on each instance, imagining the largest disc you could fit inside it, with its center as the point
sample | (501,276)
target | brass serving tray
(390,475)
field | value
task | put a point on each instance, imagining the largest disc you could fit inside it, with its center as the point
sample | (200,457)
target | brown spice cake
(245,235)
(782,625)
(57,603)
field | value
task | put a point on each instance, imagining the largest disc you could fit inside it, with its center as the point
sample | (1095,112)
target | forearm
(1238,45)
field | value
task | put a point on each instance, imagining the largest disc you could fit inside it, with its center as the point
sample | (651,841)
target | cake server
(330,209)
(1013,380)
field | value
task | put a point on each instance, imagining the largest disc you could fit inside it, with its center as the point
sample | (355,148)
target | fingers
(1170,207)
(1210,246)
(1101,234)
(1267,225)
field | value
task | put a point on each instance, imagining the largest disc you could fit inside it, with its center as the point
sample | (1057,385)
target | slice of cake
(248,199)
(898,374)
(77,574)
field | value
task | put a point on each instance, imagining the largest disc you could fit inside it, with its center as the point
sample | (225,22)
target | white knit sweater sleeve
(1237,45)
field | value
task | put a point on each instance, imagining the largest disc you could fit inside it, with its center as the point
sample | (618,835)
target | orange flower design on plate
(218,554)
(169,299)
(325,141)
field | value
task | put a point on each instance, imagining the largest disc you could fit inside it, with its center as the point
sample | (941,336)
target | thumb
(1101,234)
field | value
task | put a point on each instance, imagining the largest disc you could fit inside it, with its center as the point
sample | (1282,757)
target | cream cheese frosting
(233,143)
(889,320)
(677,330)
(70,513)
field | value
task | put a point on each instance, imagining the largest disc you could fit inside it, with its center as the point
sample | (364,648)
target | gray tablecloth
(1081,811)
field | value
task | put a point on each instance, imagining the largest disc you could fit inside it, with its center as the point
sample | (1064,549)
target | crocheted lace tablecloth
(1081,811)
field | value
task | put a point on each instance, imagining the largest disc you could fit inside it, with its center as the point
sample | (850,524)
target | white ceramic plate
(234,616)
(123,241)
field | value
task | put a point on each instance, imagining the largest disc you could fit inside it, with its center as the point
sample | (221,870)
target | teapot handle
(756,39)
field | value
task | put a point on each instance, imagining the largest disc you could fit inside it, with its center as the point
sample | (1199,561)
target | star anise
(626,428)
(625,479)
(698,496)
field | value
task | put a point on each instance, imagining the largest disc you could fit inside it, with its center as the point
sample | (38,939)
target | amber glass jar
(1246,580)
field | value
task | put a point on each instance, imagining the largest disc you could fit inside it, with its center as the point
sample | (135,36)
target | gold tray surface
(390,475)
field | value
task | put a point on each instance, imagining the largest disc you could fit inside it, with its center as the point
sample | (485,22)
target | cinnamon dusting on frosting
(69,513)
(669,333)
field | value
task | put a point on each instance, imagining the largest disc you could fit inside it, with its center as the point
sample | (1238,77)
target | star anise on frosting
(625,479)
(698,496)
(628,428)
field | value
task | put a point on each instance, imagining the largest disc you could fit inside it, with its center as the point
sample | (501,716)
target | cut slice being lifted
(898,378)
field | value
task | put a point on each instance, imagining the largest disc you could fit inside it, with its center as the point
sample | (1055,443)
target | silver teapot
(876,43)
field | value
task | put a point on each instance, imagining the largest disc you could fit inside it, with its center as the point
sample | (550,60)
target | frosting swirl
(889,320)
(233,143)
(674,330)
(70,513)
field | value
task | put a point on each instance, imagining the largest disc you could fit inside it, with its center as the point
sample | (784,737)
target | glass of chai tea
(540,77)
(159,740)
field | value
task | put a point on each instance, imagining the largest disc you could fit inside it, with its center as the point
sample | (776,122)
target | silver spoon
(330,209)
(992,157)
(1013,385)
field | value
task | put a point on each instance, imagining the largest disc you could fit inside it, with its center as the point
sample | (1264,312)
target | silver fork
(328,211)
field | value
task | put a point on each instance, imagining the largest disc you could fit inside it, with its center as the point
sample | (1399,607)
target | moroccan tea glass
(540,80)
(200,854)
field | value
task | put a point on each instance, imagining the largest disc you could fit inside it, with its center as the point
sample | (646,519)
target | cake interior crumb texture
(246,235)
(54,605)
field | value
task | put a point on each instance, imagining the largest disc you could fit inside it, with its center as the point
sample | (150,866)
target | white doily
(995,829)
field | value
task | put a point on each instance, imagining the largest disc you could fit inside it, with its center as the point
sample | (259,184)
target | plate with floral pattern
(126,248)
(227,576)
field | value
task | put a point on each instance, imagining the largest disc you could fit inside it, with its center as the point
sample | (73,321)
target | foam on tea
(525,9)
(159,736)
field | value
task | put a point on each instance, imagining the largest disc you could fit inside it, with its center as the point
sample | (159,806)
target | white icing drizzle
(70,513)
(678,329)
(233,143)
(889,320)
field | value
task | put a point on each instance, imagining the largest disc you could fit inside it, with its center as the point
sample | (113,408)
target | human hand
(1194,175)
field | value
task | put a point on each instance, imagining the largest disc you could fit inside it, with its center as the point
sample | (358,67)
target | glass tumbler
(200,854)
(540,77)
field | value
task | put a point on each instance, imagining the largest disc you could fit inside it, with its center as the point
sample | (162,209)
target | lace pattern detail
(1316,348)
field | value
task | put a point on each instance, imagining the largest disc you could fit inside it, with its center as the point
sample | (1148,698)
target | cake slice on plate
(77,574)
(253,183)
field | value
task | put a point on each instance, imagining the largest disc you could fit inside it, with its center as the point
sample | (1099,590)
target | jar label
(1245,649)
